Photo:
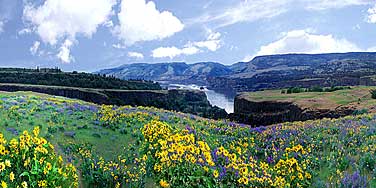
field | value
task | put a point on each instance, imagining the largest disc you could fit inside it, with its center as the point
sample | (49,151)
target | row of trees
(73,79)
(313,89)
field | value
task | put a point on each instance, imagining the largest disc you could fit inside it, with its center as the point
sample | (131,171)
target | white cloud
(64,52)
(245,11)
(63,20)
(141,21)
(24,31)
(34,49)
(136,55)
(57,19)
(303,41)
(172,52)
(109,24)
(1,26)
(371,49)
(213,42)
(371,15)
(247,58)
(119,46)
(254,10)
(334,4)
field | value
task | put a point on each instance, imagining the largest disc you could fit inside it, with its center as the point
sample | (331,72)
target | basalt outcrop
(259,113)
(194,102)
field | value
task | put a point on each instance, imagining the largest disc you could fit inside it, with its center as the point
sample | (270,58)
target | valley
(262,72)
(221,100)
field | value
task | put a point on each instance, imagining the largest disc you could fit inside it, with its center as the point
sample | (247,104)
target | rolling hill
(112,146)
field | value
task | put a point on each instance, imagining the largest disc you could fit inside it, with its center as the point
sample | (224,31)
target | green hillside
(55,77)
(358,97)
(125,146)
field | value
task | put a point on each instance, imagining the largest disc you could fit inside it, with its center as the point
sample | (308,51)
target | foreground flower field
(147,147)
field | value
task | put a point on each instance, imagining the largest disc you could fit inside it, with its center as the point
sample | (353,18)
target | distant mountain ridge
(175,72)
(262,72)
(303,70)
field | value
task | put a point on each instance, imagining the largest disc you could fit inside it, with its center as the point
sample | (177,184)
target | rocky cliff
(271,112)
(194,102)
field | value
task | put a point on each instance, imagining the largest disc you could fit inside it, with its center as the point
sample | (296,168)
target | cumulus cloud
(141,21)
(212,43)
(173,51)
(56,19)
(34,49)
(136,55)
(59,20)
(371,15)
(65,52)
(303,41)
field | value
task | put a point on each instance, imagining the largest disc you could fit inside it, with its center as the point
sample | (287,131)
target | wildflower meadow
(51,141)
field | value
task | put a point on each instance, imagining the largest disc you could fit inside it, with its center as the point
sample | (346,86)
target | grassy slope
(319,100)
(330,141)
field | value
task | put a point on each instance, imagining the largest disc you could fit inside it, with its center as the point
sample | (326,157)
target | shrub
(30,161)
(373,93)
(126,170)
(360,112)
(368,162)
(316,89)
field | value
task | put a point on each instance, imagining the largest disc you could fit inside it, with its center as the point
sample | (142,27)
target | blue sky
(88,35)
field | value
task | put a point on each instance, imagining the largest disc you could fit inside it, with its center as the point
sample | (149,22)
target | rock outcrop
(272,112)
(194,102)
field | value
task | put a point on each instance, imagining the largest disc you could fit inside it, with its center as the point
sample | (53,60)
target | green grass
(328,100)
(326,144)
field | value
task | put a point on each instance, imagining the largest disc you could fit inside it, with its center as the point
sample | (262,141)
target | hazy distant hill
(314,63)
(176,72)
(305,70)
(273,71)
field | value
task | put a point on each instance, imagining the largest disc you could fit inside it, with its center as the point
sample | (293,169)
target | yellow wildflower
(24,184)
(11,176)
(216,173)
(163,183)
(4,184)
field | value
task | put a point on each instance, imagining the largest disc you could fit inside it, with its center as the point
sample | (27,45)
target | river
(223,101)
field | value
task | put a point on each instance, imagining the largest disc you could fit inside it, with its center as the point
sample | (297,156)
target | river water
(216,99)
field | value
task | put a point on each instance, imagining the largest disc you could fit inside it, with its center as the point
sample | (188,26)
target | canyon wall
(272,112)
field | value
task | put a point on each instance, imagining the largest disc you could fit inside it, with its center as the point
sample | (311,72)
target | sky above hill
(88,35)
